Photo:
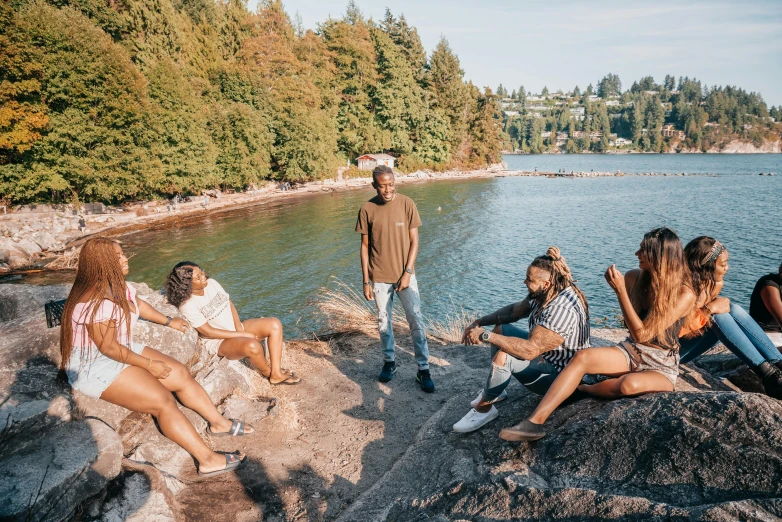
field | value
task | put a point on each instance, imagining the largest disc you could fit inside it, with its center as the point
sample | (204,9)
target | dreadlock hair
(702,264)
(98,277)
(561,278)
(669,272)
(179,285)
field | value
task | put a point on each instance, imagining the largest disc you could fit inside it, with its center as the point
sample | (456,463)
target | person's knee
(275,325)
(630,387)
(162,404)
(500,359)
(253,348)
(180,372)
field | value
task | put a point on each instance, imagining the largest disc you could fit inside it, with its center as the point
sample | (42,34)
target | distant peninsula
(674,116)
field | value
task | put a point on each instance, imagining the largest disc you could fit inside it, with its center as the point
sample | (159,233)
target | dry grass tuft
(349,319)
(450,329)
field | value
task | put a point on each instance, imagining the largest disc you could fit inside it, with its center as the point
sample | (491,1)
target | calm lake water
(274,258)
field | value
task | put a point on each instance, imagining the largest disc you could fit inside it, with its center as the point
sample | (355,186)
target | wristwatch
(485,336)
(408,271)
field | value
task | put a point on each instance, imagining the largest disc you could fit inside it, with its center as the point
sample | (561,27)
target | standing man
(388,224)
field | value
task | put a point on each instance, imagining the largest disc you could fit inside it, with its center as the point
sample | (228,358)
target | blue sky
(563,44)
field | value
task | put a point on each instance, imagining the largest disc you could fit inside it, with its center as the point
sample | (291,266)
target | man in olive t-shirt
(388,224)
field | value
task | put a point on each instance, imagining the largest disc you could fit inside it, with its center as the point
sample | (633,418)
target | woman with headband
(719,319)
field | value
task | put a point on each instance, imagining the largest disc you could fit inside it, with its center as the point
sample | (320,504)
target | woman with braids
(558,329)
(654,310)
(720,319)
(208,309)
(101,360)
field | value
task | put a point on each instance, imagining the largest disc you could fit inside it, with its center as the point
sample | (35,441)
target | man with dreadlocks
(558,329)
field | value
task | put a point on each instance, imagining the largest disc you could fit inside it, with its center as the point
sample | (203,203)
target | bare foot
(225,424)
(215,462)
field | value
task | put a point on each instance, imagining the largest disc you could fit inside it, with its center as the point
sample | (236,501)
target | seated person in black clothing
(765,305)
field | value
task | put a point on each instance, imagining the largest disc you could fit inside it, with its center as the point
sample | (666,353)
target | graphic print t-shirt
(214,307)
(388,226)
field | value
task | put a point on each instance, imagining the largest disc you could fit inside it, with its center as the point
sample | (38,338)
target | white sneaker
(474,420)
(479,398)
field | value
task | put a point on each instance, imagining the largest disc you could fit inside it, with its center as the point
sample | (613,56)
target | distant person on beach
(208,309)
(654,310)
(720,319)
(102,361)
(765,305)
(388,224)
(558,328)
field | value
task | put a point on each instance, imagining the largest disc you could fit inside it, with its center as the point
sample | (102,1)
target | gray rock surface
(698,455)
(46,477)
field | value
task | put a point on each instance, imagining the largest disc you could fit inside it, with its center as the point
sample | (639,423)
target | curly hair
(179,285)
(561,277)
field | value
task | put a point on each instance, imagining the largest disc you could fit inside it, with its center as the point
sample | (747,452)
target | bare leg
(629,385)
(190,393)
(271,329)
(137,390)
(241,347)
(606,361)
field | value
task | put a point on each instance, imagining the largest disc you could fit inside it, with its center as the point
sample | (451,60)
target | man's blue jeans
(739,333)
(411,302)
(535,375)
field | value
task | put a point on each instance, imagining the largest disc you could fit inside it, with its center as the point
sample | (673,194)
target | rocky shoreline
(341,446)
(47,237)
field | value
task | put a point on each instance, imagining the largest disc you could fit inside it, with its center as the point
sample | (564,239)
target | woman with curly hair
(654,310)
(208,308)
(721,319)
(102,361)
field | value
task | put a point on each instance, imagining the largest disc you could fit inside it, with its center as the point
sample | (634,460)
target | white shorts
(92,373)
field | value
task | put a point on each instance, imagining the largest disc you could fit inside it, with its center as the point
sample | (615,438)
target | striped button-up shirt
(566,316)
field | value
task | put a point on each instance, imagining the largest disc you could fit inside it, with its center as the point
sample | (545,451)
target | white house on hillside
(370,161)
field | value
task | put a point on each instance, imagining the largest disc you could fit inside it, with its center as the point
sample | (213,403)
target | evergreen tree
(544,92)
(610,85)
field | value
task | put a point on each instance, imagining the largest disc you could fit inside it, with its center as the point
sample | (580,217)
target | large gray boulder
(697,455)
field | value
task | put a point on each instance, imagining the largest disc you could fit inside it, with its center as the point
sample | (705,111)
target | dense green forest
(110,100)
(607,118)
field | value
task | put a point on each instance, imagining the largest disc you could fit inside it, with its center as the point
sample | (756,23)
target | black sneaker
(388,371)
(425,380)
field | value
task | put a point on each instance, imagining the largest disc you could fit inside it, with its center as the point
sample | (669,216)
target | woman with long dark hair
(720,319)
(654,310)
(101,360)
(208,309)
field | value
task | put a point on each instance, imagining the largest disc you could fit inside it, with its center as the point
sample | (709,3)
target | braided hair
(179,285)
(561,277)
(98,278)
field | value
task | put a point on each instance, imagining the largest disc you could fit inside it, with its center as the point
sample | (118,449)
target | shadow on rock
(52,460)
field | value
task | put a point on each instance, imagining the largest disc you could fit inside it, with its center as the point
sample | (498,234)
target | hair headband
(714,253)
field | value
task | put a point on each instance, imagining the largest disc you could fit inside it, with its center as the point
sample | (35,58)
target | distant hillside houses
(649,116)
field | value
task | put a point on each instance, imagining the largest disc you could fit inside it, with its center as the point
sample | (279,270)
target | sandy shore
(49,238)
